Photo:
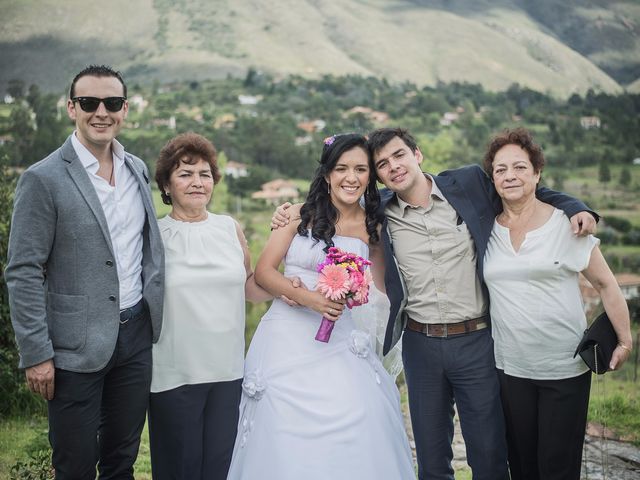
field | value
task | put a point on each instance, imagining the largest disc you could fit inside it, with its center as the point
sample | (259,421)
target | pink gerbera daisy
(333,282)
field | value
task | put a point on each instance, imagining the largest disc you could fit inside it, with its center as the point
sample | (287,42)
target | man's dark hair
(380,137)
(97,71)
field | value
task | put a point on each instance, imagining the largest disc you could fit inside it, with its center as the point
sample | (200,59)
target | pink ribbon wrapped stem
(324,332)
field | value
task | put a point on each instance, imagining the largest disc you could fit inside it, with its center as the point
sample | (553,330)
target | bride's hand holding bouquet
(343,277)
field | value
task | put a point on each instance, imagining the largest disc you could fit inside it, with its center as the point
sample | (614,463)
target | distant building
(304,140)
(236,169)
(629,284)
(277,192)
(8,98)
(226,120)
(590,297)
(249,99)
(138,102)
(312,126)
(373,115)
(170,122)
(636,161)
(448,118)
(589,122)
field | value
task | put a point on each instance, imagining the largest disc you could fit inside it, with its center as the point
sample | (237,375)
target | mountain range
(557,46)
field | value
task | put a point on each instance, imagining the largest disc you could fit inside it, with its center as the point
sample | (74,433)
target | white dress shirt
(125,214)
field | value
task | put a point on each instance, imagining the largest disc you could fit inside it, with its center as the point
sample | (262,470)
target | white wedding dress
(313,410)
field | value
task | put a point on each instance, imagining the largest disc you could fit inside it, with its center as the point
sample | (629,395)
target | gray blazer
(61,272)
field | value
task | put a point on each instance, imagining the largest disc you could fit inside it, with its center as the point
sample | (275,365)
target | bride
(309,409)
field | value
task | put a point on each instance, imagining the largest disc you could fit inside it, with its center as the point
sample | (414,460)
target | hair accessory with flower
(329,140)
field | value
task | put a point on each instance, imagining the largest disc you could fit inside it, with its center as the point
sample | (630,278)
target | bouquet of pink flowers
(342,275)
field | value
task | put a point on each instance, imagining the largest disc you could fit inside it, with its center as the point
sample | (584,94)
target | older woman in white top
(198,360)
(531,269)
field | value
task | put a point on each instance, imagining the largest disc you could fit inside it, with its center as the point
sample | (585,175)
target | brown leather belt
(448,329)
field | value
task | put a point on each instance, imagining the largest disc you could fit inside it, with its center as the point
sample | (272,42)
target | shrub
(36,467)
(14,395)
(632,238)
(620,224)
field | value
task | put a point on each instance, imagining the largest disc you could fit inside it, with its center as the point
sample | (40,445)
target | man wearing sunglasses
(85,279)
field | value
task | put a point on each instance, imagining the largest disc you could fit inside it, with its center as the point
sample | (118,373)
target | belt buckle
(442,326)
(126,311)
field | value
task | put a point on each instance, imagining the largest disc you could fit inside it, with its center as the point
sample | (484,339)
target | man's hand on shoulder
(40,379)
(583,224)
(280,217)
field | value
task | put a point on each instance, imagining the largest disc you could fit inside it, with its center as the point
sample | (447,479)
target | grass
(615,400)
(142,467)
(18,438)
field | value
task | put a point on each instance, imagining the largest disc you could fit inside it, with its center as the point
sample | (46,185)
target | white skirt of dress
(313,410)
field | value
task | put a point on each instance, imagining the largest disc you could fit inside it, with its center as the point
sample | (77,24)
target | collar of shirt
(89,161)
(436,193)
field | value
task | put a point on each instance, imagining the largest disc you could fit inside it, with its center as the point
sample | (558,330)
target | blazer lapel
(460,201)
(83,182)
(143,185)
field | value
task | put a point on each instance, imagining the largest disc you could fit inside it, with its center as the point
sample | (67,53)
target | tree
(558,177)
(16,88)
(22,129)
(625,177)
(604,173)
(15,398)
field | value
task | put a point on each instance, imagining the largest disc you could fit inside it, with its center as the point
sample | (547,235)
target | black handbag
(597,344)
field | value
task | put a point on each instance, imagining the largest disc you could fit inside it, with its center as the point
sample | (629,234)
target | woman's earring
(328,188)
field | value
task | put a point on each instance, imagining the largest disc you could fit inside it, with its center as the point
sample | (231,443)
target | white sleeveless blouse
(202,337)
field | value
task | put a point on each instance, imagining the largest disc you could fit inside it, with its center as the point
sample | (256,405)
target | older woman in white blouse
(531,269)
(199,358)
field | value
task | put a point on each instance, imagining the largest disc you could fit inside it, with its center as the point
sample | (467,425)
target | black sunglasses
(91,104)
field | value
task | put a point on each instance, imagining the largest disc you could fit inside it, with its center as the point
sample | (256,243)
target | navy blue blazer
(471,193)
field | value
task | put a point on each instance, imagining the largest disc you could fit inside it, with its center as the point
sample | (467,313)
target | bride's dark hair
(317,212)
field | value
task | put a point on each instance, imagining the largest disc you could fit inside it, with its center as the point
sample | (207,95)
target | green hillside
(494,43)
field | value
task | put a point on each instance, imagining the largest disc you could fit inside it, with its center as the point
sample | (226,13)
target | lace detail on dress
(253,386)
(360,346)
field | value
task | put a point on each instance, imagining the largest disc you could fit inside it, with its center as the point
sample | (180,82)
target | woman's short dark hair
(185,148)
(516,136)
(317,212)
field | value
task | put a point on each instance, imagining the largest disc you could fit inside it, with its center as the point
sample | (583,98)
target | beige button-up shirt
(437,259)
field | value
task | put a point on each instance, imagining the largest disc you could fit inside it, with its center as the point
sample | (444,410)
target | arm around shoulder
(571,206)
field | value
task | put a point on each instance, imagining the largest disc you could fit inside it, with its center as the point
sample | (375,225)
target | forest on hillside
(276,125)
